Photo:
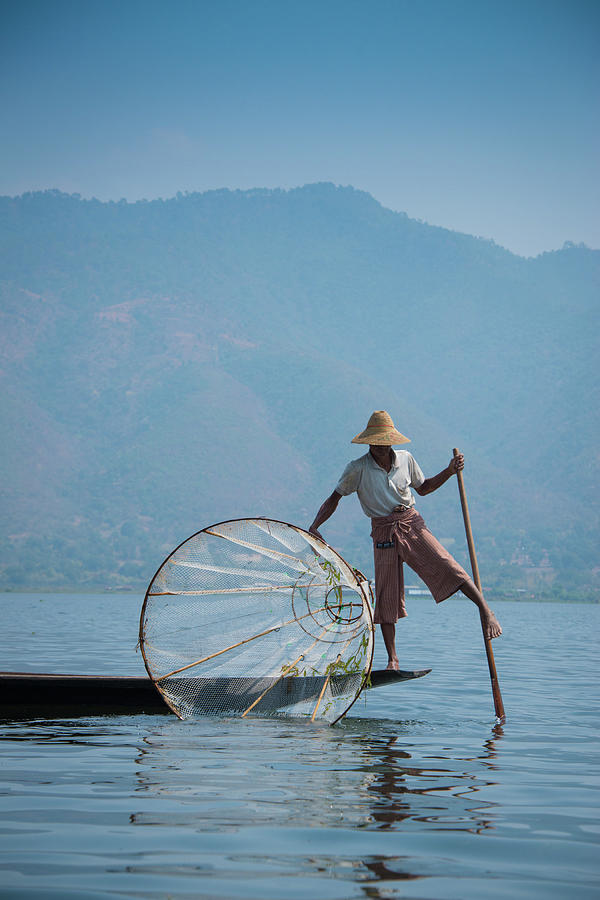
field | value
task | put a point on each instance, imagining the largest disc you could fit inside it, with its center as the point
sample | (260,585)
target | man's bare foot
(393,665)
(491,625)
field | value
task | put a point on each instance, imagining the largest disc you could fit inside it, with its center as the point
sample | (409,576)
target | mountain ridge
(241,319)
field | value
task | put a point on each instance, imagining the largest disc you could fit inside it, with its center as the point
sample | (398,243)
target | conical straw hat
(380,430)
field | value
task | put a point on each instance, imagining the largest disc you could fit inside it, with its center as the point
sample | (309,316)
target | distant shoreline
(142,591)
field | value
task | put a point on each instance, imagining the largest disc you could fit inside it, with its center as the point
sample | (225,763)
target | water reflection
(387,868)
(389,787)
(400,791)
(435,794)
(378,807)
(298,777)
(269,773)
(376,804)
(213,777)
(491,751)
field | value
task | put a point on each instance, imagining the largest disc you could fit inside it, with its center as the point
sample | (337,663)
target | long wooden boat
(38,694)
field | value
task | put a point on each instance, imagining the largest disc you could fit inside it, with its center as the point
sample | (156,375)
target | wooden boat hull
(27,694)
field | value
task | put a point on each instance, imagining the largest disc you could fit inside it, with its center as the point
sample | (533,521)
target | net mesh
(257,617)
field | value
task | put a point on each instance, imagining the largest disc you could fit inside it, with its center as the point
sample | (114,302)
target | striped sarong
(403,537)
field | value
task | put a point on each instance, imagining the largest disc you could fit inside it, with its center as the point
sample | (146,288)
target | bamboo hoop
(317,546)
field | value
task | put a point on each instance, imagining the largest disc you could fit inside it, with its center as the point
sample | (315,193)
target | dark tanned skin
(383,457)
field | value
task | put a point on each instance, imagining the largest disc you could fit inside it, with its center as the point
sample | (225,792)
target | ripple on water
(418,795)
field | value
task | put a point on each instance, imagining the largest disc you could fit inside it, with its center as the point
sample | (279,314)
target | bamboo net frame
(207,572)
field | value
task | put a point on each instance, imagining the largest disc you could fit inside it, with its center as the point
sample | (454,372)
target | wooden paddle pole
(498,704)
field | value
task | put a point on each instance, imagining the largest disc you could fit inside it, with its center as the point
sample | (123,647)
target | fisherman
(382,479)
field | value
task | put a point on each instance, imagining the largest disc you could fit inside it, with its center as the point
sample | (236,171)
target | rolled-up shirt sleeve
(416,476)
(348,483)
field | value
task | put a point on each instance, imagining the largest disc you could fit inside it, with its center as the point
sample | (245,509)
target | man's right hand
(327,509)
(317,533)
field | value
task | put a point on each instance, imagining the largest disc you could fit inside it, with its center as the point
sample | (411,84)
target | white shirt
(380,492)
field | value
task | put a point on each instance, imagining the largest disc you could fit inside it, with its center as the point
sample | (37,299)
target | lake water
(416,794)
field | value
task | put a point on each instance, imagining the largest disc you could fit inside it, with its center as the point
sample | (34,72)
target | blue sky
(479,116)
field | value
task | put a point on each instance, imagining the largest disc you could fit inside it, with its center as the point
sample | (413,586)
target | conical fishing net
(257,617)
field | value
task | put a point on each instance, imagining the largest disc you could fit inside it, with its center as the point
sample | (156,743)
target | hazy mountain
(169,364)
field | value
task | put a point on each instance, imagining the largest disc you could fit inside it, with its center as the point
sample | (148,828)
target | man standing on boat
(382,478)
